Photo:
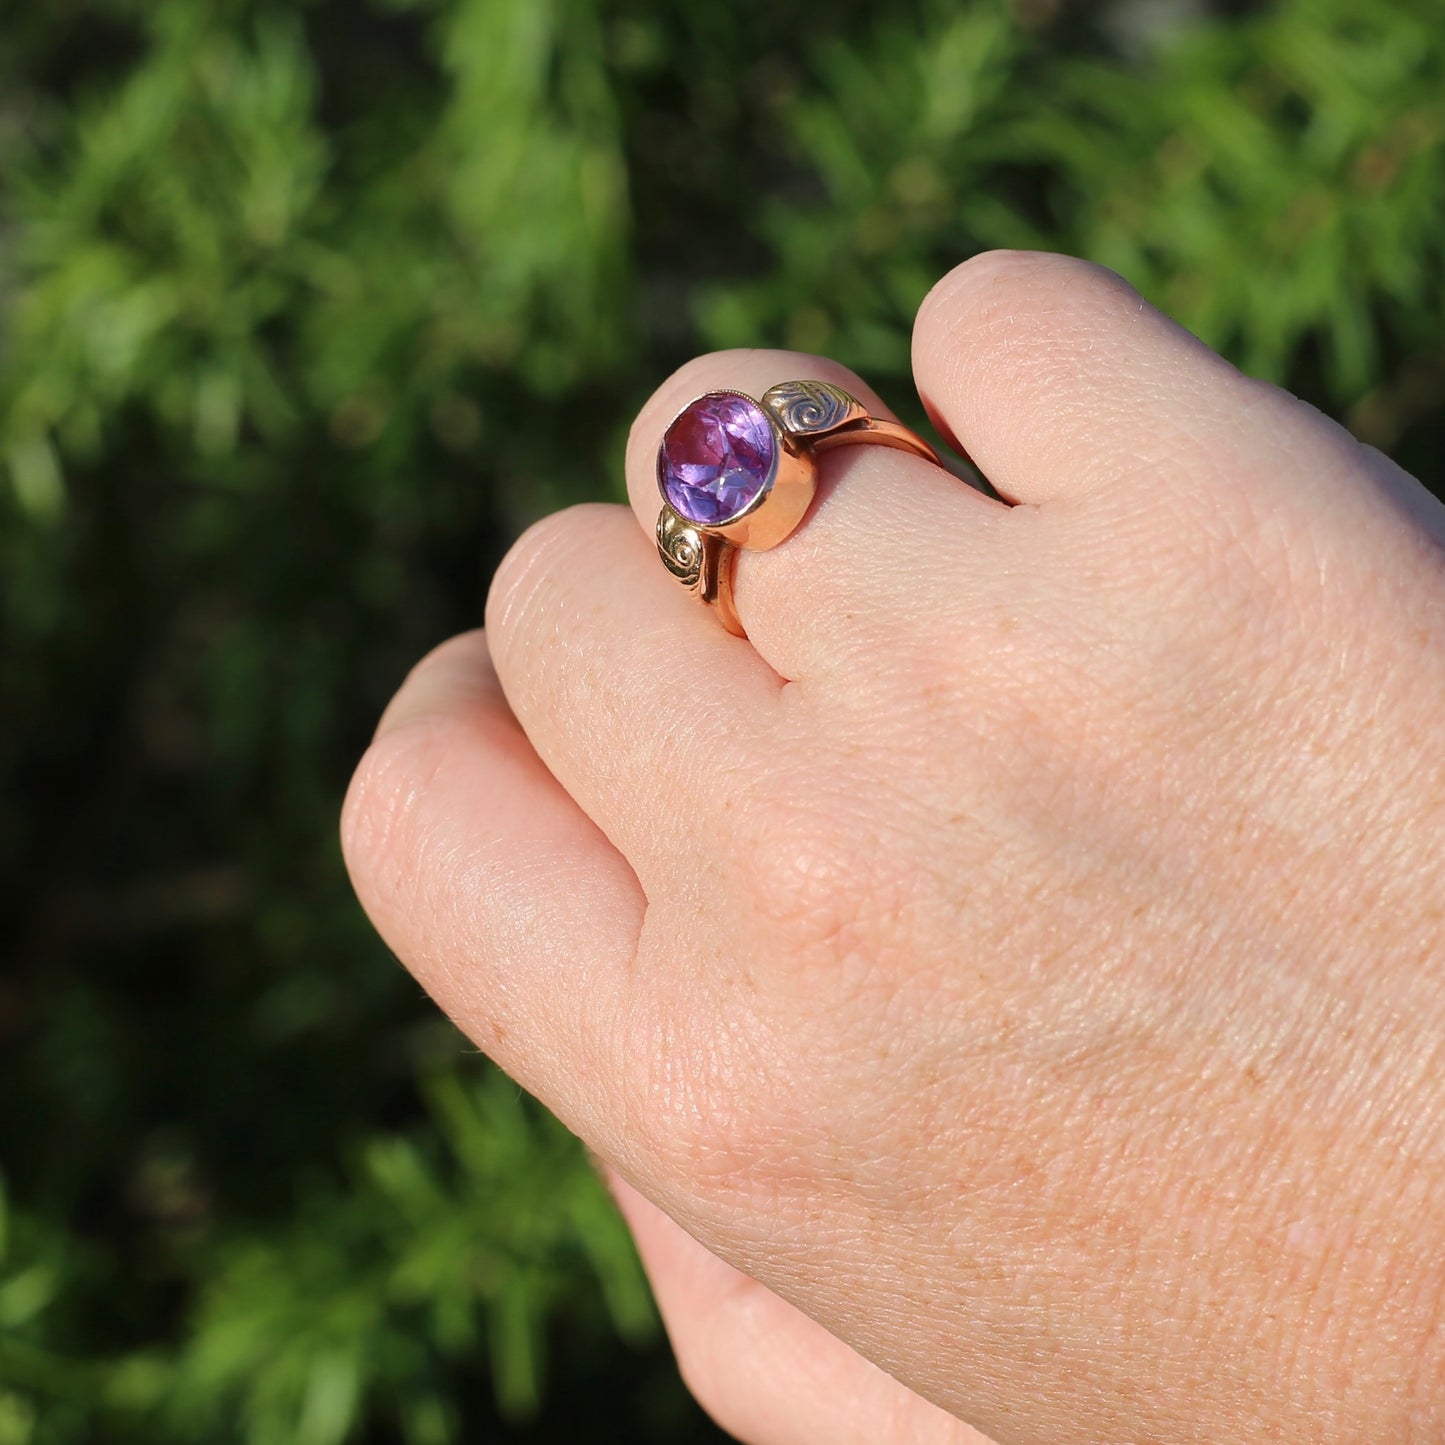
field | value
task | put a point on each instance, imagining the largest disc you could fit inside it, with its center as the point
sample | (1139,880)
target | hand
(1024,956)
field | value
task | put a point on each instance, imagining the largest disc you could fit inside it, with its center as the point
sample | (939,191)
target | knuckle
(421,732)
(987,267)
(1016,324)
(707,368)
(694,1095)
(523,581)
(801,879)
(721,1356)
(710,1082)
(826,892)
(383,834)
(1016,288)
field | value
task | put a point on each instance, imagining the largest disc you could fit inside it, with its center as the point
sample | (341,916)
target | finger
(492,886)
(646,711)
(1406,494)
(761,1368)
(1059,379)
(884,525)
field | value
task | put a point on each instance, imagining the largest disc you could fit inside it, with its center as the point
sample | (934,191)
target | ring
(734,472)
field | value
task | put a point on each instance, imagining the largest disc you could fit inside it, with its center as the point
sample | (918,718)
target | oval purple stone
(717,458)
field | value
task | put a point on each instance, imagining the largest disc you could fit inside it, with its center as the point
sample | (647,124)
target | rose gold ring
(734,472)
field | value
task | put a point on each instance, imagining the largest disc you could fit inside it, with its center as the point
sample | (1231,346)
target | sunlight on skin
(1019,957)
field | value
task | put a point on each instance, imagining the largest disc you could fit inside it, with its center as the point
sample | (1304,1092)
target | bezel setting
(783,495)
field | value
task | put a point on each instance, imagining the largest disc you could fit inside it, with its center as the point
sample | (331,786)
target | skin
(1007,988)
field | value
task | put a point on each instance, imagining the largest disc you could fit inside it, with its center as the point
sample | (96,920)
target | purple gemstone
(718,457)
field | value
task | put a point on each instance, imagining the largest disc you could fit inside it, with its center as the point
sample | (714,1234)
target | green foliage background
(306,309)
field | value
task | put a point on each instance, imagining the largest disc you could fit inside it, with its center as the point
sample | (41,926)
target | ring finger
(814,604)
